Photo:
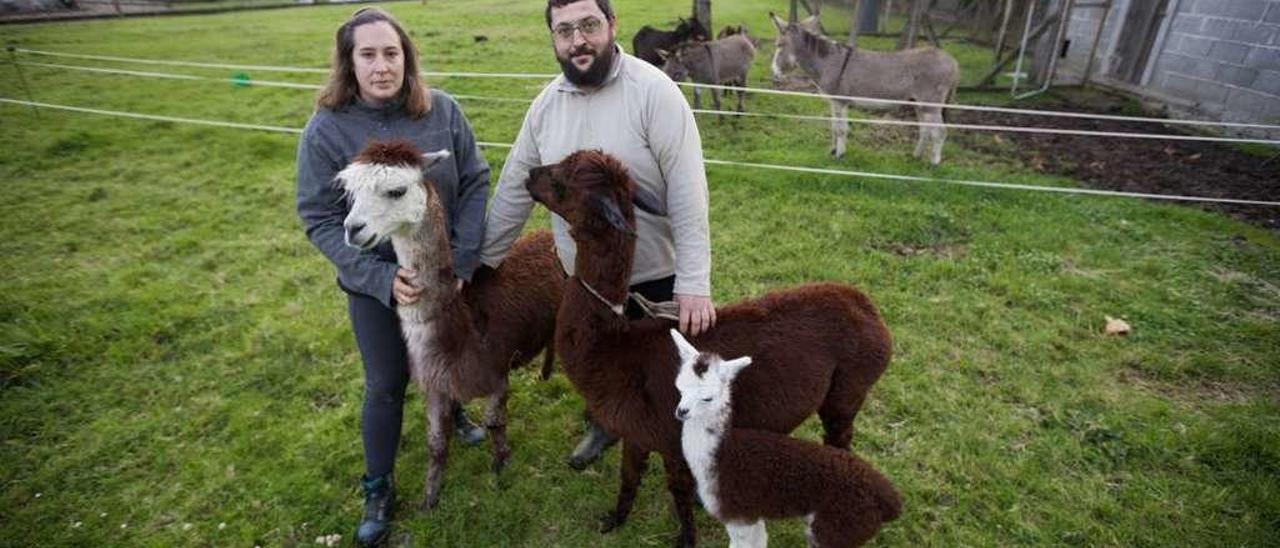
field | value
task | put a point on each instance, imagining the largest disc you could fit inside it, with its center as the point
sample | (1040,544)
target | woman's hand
(405,290)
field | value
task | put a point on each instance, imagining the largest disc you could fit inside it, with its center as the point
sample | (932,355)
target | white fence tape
(709,161)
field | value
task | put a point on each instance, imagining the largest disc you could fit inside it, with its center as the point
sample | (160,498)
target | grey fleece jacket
(333,137)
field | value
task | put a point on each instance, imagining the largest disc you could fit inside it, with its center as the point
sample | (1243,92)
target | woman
(375,92)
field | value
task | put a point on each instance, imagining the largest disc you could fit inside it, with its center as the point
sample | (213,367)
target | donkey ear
(730,369)
(687,352)
(645,201)
(782,25)
(432,158)
(608,208)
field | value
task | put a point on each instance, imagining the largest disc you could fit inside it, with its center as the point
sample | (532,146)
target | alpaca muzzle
(354,238)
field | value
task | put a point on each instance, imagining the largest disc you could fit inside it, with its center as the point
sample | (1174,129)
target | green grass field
(177,367)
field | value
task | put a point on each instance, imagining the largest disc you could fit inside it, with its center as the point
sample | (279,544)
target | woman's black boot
(379,505)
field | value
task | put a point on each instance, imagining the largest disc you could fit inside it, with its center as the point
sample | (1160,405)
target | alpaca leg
(634,462)
(837,414)
(747,535)
(839,128)
(681,485)
(439,417)
(842,527)
(495,419)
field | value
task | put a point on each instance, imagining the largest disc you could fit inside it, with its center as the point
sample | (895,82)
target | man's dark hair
(602,4)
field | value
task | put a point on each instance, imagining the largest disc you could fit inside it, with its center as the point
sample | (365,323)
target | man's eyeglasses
(589,27)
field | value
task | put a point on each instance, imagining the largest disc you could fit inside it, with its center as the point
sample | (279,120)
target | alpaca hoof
(610,522)
(499,464)
(685,541)
(429,503)
(578,464)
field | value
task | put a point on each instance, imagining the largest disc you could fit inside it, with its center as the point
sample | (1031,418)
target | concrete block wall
(1223,55)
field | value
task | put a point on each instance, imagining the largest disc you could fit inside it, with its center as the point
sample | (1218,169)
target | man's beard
(595,74)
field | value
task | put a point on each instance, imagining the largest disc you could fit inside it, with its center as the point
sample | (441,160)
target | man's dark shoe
(466,430)
(591,447)
(379,505)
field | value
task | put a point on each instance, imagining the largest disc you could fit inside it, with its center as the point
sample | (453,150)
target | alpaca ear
(608,208)
(432,158)
(645,201)
(687,352)
(662,53)
(730,369)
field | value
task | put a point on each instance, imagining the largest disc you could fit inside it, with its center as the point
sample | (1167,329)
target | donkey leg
(439,417)
(495,419)
(939,137)
(926,132)
(839,128)
(742,96)
(681,485)
(634,462)
(715,97)
(697,98)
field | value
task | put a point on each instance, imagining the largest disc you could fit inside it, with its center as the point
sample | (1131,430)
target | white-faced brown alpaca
(745,476)
(626,370)
(461,345)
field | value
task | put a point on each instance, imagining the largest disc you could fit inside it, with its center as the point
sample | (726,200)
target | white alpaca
(745,476)
(461,344)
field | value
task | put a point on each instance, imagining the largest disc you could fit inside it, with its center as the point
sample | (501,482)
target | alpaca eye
(396,193)
(706,399)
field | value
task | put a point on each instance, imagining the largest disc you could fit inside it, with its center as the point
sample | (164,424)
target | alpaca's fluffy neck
(605,265)
(700,439)
(444,348)
(425,249)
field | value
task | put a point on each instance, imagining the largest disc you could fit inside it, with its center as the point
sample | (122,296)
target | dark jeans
(386,374)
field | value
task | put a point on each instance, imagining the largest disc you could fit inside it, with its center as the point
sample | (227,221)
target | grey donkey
(925,75)
(725,61)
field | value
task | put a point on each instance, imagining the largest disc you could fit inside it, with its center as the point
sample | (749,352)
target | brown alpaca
(625,370)
(461,345)
(745,476)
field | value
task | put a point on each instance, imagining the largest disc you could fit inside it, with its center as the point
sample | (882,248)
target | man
(606,99)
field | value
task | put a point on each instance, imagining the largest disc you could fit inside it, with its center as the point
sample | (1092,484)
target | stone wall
(1221,57)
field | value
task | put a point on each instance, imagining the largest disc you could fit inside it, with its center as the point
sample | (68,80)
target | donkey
(649,40)
(925,75)
(724,61)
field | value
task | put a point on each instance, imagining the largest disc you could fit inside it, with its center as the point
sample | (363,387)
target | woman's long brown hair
(343,89)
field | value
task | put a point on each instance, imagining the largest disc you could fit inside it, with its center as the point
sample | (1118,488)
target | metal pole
(1063,20)
(22,80)
(1022,51)
(1093,50)
(1004,29)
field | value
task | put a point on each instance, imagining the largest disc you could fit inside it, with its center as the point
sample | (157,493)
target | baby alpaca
(745,476)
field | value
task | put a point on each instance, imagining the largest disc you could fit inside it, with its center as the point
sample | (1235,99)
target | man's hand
(697,314)
(403,288)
